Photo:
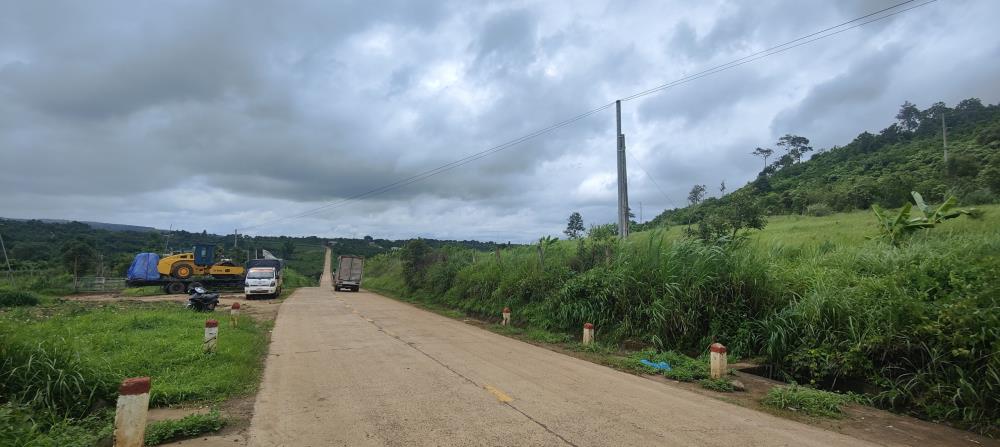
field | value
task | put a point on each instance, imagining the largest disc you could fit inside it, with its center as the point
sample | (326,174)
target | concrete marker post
(211,336)
(131,412)
(718,361)
(506,317)
(234,314)
(588,333)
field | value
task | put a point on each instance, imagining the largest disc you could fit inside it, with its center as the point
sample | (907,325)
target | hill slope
(882,169)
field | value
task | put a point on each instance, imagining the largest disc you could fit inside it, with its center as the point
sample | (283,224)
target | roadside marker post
(234,314)
(506,317)
(588,333)
(131,412)
(211,336)
(717,357)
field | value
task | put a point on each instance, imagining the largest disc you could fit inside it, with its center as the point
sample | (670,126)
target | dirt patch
(258,309)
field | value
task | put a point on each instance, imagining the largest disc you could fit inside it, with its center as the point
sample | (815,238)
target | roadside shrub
(11,298)
(819,210)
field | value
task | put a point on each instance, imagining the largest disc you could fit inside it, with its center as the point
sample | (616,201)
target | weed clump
(13,298)
(809,401)
(721,385)
(189,426)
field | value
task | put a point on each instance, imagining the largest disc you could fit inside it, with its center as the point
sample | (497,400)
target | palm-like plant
(895,228)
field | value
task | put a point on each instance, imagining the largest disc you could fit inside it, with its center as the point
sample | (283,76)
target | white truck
(349,272)
(263,282)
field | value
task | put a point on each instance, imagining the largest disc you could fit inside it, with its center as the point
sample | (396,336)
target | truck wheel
(277,292)
(182,271)
(175,288)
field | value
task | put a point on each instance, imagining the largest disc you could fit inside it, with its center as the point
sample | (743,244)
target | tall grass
(917,327)
(61,365)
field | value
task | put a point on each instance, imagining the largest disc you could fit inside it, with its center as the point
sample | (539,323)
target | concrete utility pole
(944,138)
(622,177)
(236,233)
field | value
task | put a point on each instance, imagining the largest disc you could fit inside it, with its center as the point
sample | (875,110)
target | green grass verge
(189,426)
(143,291)
(59,362)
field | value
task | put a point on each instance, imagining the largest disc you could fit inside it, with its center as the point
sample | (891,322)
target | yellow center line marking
(498,394)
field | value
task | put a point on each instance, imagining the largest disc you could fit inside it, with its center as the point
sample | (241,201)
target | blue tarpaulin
(144,267)
(661,365)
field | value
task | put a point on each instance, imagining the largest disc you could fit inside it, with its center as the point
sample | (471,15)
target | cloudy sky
(222,115)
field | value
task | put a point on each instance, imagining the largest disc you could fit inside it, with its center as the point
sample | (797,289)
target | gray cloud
(222,115)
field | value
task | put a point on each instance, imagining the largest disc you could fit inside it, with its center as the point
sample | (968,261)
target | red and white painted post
(717,357)
(131,412)
(211,336)
(234,314)
(506,317)
(588,333)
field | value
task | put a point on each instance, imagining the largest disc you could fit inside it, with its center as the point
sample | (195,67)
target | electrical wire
(778,48)
(795,43)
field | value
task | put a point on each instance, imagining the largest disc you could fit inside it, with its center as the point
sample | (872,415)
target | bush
(819,210)
(10,298)
(186,427)
(808,401)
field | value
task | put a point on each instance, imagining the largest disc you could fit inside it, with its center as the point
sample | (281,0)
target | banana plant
(895,228)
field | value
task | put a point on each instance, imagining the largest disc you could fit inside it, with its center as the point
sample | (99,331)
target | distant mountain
(94,225)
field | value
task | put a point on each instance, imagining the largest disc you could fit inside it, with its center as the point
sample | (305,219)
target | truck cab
(263,282)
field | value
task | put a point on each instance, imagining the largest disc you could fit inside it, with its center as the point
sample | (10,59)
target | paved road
(358,369)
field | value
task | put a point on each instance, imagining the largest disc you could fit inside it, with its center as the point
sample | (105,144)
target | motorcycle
(201,300)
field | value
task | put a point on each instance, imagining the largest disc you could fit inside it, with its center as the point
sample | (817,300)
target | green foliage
(78,256)
(808,401)
(189,426)
(11,298)
(61,363)
(21,426)
(819,210)
(721,385)
(915,326)
(877,169)
(574,226)
(50,377)
(895,229)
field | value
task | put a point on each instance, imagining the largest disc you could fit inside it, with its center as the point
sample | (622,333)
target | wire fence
(53,279)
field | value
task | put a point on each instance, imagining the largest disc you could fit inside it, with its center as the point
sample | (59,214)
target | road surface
(359,369)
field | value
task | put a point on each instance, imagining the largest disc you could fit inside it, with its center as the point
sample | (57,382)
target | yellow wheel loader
(199,262)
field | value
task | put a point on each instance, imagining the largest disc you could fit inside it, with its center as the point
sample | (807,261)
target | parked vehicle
(145,271)
(200,261)
(349,271)
(263,282)
(202,300)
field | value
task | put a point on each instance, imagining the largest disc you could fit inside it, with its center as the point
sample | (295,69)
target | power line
(778,48)
(650,177)
(795,43)
(443,168)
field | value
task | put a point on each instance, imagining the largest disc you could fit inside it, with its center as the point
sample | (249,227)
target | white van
(262,281)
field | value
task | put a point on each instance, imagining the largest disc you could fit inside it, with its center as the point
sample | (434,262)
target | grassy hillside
(878,168)
(917,327)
